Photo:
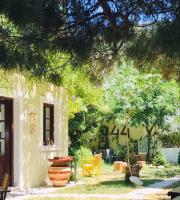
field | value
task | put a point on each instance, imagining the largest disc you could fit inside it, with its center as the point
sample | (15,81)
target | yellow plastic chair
(98,159)
(88,167)
(124,167)
(91,166)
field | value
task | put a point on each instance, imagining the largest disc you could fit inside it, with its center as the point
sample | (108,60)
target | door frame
(11,131)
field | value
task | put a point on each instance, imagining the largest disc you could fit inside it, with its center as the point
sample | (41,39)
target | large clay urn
(60,170)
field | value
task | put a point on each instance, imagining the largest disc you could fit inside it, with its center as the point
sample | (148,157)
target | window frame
(51,119)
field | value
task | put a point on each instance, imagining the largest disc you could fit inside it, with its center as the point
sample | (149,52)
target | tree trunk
(149,145)
(132,171)
(128,153)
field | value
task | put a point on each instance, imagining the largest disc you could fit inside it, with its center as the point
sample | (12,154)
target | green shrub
(170,140)
(121,150)
(132,158)
(158,159)
(179,158)
(72,177)
(82,153)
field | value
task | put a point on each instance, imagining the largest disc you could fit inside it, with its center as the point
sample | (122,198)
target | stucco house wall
(135,134)
(30,156)
(139,134)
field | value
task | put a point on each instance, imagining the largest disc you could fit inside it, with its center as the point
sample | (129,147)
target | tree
(91,31)
(84,122)
(158,46)
(82,92)
(50,64)
(141,99)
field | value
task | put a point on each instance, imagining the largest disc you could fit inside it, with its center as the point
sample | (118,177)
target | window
(48,124)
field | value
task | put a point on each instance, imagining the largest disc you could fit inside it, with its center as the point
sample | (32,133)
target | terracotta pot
(142,164)
(61,159)
(118,166)
(59,171)
(59,176)
(59,183)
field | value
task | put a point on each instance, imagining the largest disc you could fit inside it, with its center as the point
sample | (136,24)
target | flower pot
(142,163)
(59,172)
(118,166)
(59,176)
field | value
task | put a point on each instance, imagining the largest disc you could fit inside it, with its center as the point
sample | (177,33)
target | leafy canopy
(158,46)
(141,99)
(90,31)
(85,123)
(50,64)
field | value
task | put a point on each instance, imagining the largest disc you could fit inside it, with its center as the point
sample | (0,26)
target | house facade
(33,128)
(112,139)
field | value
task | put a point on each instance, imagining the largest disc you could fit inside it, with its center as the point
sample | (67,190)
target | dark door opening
(6,138)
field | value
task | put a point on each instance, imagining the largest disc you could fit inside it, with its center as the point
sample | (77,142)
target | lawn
(112,182)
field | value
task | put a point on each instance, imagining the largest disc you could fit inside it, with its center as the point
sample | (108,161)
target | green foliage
(167,173)
(121,150)
(84,29)
(158,47)
(139,99)
(16,53)
(142,99)
(170,140)
(158,159)
(84,123)
(179,158)
(53,65)
(82,153)
(82,92)
(132,158)
(6,75)
(4,83)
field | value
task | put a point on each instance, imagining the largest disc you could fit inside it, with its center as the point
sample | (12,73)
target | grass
(105,187)
(166,172)
(112,182)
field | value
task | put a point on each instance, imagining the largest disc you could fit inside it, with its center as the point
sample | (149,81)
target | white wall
(135,134)
(36,155)
(171,154)
(30,159)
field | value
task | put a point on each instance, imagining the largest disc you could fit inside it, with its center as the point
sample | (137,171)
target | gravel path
(138,194)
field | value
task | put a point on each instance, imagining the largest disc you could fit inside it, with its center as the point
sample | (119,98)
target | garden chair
(91,166)
(4,188)
(97,163)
